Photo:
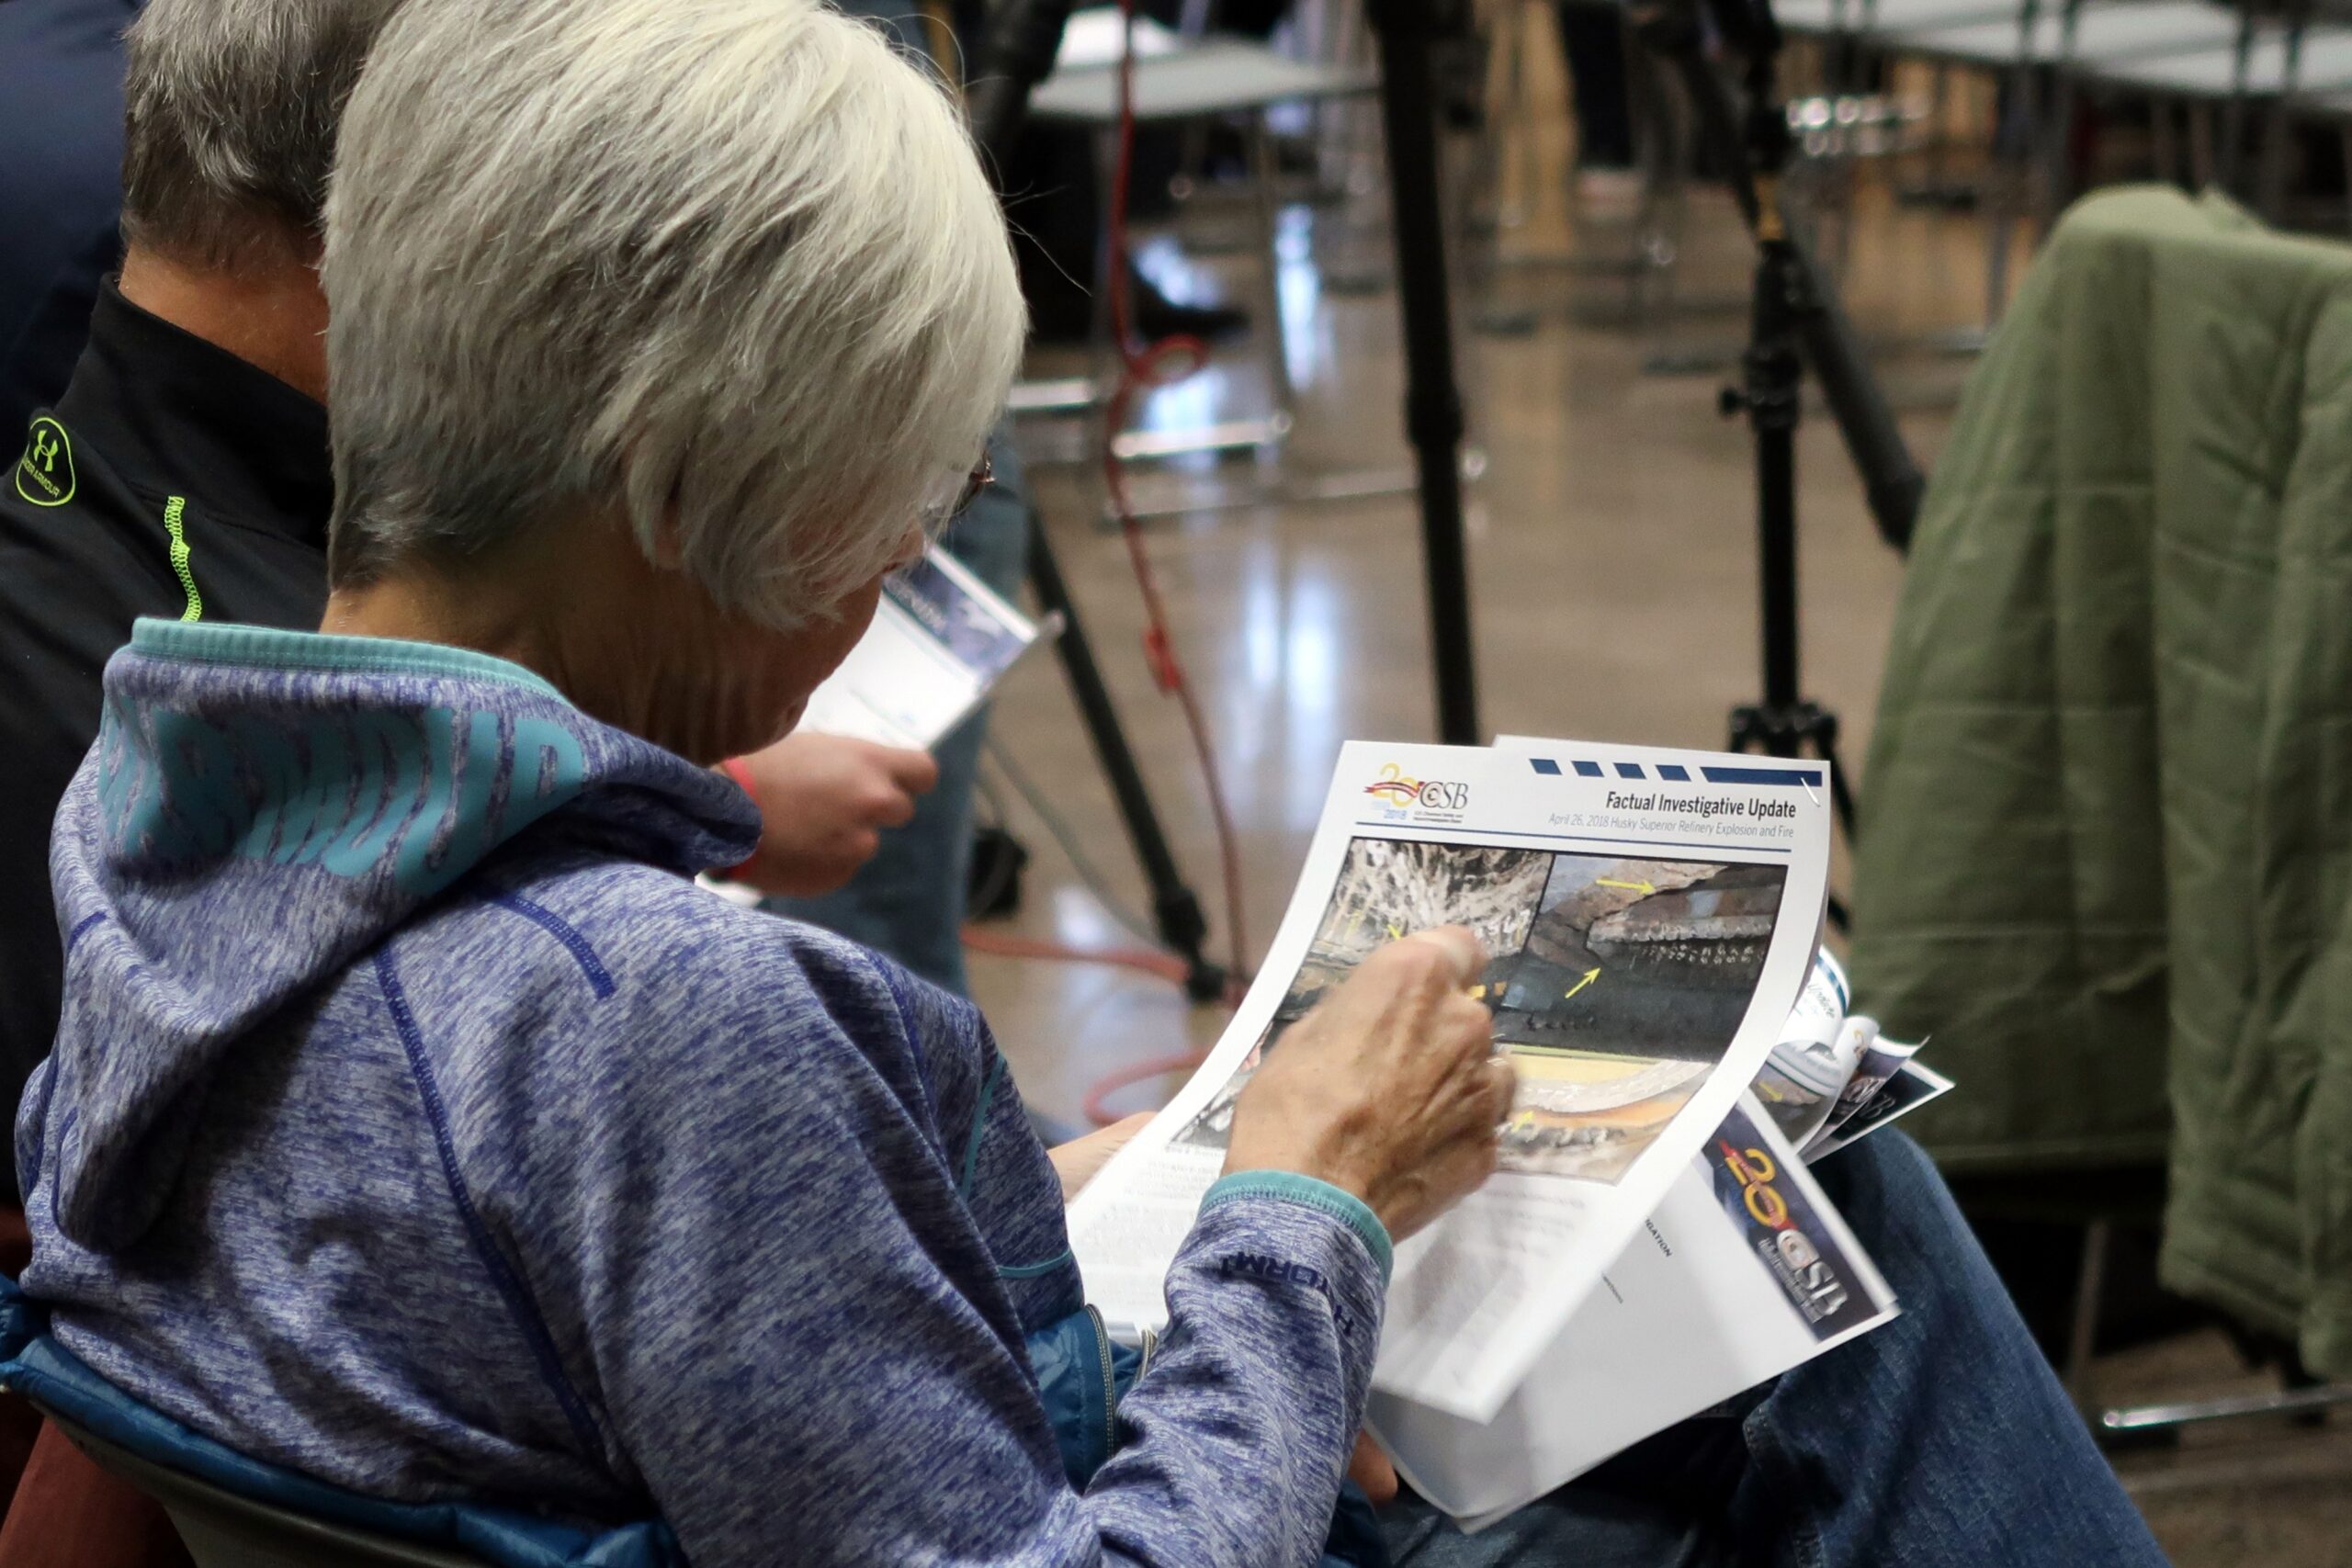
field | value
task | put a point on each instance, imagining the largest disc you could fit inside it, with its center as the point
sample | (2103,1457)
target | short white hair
(727,262)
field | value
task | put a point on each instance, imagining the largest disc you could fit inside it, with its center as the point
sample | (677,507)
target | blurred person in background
(61,155)
(1593,40)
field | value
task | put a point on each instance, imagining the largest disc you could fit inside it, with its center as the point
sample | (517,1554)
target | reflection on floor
(1614,569)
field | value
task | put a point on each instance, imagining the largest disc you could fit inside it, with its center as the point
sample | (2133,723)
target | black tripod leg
(1796,731)
(1175,909)
(1433,401)
(1841,801)
(1017,53)
(1841,794)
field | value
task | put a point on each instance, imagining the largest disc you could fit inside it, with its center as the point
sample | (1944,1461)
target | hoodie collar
(397,765)
(262,810)
(268,648)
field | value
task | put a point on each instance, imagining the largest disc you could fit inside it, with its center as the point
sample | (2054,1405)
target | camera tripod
(1794,321)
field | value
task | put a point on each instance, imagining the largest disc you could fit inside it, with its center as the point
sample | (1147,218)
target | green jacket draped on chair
(2106,842)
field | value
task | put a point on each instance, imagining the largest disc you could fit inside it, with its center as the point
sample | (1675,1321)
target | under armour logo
(45,473)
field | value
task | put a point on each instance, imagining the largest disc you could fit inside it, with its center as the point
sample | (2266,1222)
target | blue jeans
(907,901)
(1941,1437)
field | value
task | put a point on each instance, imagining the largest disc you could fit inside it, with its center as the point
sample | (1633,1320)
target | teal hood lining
(211,642)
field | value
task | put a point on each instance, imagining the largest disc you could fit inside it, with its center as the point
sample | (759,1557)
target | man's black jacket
(172,479)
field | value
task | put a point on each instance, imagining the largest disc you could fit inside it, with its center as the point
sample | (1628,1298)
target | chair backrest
(221,1530)
(235,1511)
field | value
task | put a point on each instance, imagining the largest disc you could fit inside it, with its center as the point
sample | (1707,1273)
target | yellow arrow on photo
(1590,976)
(1641,887)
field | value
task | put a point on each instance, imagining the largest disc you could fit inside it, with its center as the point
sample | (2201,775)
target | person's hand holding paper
(1390,1088)
(824,800)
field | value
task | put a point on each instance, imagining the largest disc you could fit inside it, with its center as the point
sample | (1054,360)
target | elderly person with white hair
(415,1122)
(416,1126)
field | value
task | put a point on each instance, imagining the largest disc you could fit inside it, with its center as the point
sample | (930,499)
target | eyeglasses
(982,477)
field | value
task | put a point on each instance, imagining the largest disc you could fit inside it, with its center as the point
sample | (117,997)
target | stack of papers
(941,638)
(1651,1243)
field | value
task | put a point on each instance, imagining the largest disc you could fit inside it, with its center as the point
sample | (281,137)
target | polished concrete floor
(1614,574)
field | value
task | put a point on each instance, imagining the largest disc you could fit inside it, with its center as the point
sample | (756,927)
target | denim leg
(907,901)
(1941,1438)
(1576,1527)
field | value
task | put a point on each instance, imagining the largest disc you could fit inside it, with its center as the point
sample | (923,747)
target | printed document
(939,640)
(1651,918)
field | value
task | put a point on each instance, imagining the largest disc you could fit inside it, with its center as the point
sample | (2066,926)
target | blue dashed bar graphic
(1674,773)
(1811,776)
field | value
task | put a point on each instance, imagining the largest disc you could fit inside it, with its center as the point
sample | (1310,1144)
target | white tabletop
(1216,76)
(2325,62)
(2103,34)
(1098,36)
(1850,15)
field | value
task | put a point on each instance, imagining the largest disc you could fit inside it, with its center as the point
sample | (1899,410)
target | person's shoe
(1059,313)
(1156,316)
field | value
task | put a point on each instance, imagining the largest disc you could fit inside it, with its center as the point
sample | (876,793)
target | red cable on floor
(999,945)
(1141,368)
(1168,967)
(1156,1067)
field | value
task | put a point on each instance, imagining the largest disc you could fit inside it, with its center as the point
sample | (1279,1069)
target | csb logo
(1398,792)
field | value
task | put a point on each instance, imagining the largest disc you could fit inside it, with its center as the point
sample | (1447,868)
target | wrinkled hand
(1079,1161)
(824,800)
(1389,1090)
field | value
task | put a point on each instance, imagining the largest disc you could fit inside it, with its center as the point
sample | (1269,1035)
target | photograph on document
(1389,888)
(1617,983)
(1634,980)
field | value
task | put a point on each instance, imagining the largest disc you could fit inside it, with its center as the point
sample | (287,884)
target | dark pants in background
(1593,39)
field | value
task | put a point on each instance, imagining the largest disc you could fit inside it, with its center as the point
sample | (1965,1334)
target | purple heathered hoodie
(415,1123)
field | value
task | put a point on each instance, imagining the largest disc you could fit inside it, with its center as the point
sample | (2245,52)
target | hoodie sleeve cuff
(1291,1186)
